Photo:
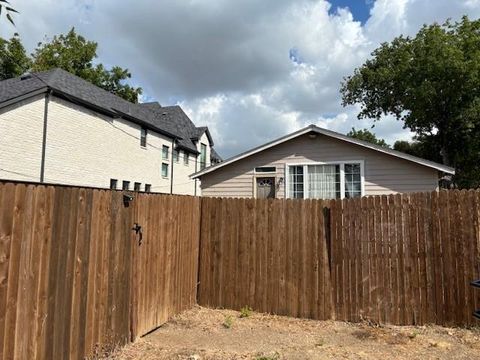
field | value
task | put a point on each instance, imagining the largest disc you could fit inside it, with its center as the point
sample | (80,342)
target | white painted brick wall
(182,184)
(85,148)
(21,129)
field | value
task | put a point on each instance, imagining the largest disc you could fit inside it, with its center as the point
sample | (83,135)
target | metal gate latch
(138,230)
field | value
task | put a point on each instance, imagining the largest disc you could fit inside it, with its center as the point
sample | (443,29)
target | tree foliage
(75,54)
(431,82)
(6,8)
(70,52)
(367,135)
(14,60)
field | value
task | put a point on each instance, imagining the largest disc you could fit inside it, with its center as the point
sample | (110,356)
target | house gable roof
(175,120)
(170,120)
(333,134)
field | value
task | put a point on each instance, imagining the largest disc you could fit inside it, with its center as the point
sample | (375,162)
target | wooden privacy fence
(407,259)
(268,254)
(399,259)
(74,278)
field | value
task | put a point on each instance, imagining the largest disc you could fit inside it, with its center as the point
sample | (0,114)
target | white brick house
(57,128)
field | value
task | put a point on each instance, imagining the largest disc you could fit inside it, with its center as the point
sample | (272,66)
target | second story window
(113,184)
(185,158)
(148,188)
(164,170)
(165,151)
(125,185)
(136,186)
(203,156)
(143,137)
(176,155)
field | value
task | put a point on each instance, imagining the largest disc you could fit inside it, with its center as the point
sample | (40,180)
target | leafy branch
(4,4)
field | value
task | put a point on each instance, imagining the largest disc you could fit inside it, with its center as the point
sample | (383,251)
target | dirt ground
(222,334)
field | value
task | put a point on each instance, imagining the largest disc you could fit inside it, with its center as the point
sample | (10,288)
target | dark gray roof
(13,88)
(169,120)
(214,156)
(174,119)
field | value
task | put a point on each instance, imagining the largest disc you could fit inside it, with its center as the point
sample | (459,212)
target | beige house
(57,128)
(322,164)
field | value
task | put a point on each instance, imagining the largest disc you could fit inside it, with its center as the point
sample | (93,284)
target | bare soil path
(208,334)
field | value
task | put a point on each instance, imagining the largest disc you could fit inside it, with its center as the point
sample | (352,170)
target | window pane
(203,156)
(353,181)
(125,185)
(113,184)
(176,155)
(148,188)
(165,170)
(296,182)
(136,186)
(323,181)
(185,158)
(165,152)
(265,169)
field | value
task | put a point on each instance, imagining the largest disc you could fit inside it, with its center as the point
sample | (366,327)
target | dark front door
(265,188)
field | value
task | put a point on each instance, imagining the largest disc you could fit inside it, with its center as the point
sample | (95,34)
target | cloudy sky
(251,70)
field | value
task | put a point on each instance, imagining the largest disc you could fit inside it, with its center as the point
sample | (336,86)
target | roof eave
(314,128)
(188,149)
(26,96)
(146,124)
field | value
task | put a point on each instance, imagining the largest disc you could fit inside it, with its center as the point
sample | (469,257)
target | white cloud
(230,64)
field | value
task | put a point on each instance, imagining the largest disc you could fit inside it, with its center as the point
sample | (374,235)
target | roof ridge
(334,134)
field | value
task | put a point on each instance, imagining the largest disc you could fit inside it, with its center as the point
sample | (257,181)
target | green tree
(75,54)
(431,83)
(367,135)
(14,60)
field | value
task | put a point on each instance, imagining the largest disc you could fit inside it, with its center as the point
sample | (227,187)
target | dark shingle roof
(215,158)
(174,119)
(169,120)
(13,88)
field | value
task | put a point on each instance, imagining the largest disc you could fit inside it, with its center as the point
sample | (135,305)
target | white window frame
(342,176)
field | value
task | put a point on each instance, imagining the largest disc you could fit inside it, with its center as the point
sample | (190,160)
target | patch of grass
(275,356)
(413,335)
(228,322)
(320,343)
(364,334)
(246,311)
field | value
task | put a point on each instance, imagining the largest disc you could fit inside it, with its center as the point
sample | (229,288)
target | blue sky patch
(294,55)
(360,9)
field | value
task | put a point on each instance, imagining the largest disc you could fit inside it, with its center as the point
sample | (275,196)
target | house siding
(85,148)
(384,174)
(182,184)
(203,140)
(21,130)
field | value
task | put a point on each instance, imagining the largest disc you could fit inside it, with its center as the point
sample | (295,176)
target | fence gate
(164,258)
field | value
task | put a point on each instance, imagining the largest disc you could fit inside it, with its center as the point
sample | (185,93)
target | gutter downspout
(171,170)
(195,182)
(44,139)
